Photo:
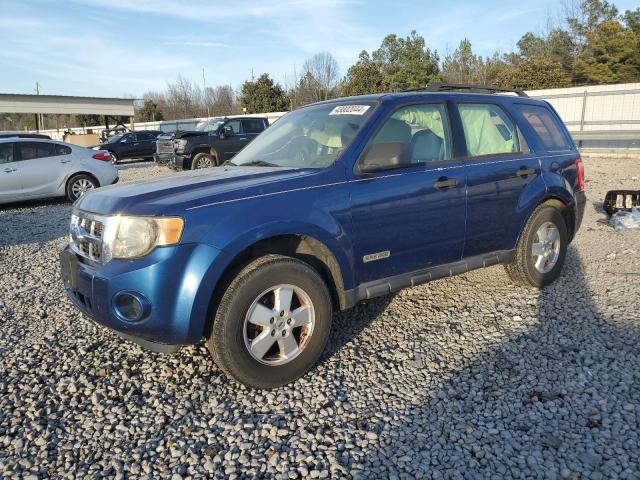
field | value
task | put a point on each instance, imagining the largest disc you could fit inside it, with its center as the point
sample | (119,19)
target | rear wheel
(203,160)
(114,157)
(272,323)
(80,184)
(541,248)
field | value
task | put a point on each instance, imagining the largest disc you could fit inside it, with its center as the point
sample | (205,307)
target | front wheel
(78,185)
(272,323)
(541,249)
(203,160)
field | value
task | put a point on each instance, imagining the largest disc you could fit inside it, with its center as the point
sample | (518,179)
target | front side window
(31,150)
(488,130)
(546,126)
(423,131)
(6,153)
(233,125)
(310,137)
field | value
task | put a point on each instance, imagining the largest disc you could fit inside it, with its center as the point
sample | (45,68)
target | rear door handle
(10,169)
(65,161)
(525,172)
(444,183)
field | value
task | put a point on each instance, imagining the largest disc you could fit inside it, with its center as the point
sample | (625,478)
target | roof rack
(452,87)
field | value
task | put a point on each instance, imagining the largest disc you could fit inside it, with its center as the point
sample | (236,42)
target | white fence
(603,116)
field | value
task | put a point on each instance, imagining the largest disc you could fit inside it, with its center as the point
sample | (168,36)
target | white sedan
(34,168)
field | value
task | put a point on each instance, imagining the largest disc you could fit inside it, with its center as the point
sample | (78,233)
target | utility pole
(38,115)
(204,92)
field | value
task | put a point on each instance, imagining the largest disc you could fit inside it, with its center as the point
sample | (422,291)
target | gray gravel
(463,378)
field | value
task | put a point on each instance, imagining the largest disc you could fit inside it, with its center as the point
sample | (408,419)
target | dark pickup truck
(210,144)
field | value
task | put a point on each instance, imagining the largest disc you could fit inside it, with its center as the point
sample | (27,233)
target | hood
(173,194)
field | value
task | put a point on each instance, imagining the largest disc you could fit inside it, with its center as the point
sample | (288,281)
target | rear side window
(488,130)
(63,150)
(252,125)
(546,126)
(144,137)
(6,153)
(31,150)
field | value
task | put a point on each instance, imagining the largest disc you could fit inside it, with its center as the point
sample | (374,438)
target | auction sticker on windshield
(349,110)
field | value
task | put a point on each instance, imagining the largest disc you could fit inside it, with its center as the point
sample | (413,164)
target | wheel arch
(558,201)
(304,247)
(80,172)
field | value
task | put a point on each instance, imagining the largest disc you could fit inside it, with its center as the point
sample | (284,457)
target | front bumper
(162,158)
(176,281)
(180,162)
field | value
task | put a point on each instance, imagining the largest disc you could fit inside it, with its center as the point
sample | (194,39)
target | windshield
(311,137)
(115,138)
(209,126)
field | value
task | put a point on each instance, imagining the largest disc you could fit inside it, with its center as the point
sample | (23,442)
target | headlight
(180,144)
(134,237)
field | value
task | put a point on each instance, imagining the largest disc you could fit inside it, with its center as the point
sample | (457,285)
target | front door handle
(444,183)
(9,169)
(525,172)
(243,138)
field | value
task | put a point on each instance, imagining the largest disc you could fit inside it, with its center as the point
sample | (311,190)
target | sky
(116,48)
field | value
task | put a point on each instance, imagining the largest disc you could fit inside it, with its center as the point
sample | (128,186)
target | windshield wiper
(258,163)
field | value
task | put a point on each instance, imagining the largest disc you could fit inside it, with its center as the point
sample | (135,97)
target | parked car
(210,144)
(337,202)
(139,144)
(34,168)
(24,135)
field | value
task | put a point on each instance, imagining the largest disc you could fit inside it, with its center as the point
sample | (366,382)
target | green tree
(462,66)
(263,95)
(585,17)
(399,64)
(363,77)
(149,112)
(611,55)
(534,73)
(406,62)
(632,20)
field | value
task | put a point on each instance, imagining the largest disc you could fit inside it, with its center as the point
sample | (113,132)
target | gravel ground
(463,378)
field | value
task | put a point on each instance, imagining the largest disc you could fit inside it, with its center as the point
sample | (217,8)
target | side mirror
(385,156)
(226,132)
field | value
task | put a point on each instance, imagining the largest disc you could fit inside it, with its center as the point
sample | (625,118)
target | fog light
(131,306)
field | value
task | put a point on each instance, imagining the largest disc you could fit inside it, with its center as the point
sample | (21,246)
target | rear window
(63,150)
(546,126)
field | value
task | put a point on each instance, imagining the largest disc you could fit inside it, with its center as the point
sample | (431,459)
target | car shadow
(551,395)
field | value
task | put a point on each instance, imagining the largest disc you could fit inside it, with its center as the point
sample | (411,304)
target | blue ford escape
(335,203)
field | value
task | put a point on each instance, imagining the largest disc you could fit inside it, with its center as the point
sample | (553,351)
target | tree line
(594,44)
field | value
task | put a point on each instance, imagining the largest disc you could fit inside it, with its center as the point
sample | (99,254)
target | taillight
(580,173)
(103,157)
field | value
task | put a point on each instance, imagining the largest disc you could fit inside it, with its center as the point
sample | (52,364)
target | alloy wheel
(279,324)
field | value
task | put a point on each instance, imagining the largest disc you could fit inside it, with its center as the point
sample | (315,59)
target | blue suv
(335,203)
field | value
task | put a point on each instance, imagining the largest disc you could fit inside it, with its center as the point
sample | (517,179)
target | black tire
(74,184)
(227,340)
(523,269)
(200,157)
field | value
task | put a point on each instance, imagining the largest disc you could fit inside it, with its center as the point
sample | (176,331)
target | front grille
(164,146)
(85,238)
